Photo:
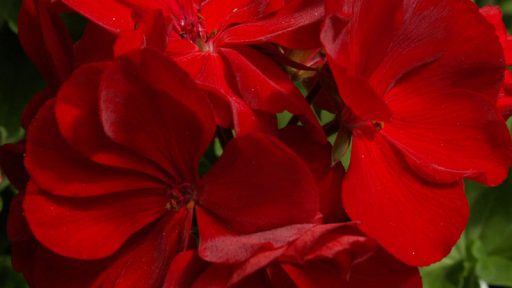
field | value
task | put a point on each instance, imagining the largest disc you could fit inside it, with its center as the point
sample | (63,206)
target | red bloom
(113,162)
(422,92)
(335,255)
(210,39)
(494,16)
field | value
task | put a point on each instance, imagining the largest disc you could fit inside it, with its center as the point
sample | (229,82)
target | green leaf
(9,13)
(495,270)
(19,81)
(8,277)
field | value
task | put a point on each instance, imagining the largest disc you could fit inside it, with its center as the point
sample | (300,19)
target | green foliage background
(482,257)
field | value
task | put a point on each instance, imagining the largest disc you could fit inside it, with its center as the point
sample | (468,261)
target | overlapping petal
(257,176)
(111,14)
(46,40)
(58,168)
(94,227)
(146,85)
(423,220)
(457,132)
(76,110)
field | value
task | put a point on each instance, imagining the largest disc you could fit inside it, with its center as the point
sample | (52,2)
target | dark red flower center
(180,196)
(191,28)
(351,121)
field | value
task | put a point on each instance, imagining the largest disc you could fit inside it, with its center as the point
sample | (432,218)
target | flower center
(180,196)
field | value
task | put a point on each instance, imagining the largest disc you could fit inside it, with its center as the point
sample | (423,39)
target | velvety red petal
(294,15)
(317,156)
(45,40)
(381,270)
(152,32)
(210,72)
(264,86)
(215,276)
(146,258)
(59,169)
(494,15)
(306,37)
(454,131)
(174,123)
(90,228)
(255,263)
(219,14)
(327,242)
(95,45)
(76,109)
(111,14)
(415,220)
(368,103)
(317,273)
(184,270)
(220,245)
(247,120)
(257,175)
(49,270)
(476,66)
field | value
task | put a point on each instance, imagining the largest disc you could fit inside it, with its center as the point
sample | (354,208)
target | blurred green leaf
(9,13)
(19,81)
(495,270)
(9,278)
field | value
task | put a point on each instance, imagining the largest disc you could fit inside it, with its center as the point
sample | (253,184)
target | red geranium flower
(210,39)
(114,161)
(420,79)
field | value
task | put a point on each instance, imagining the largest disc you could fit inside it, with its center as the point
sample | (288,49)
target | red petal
(76,109)
(174,124)
(327,242)
(90,228)
(247,120)
(95,45)
(453,131)
(385,272)
(110,14)
(294,15)
(144,261)
(319,273)
(417,221)
(257,175)
(184,270)
(152,32)
(264,86)
(45,40)
(210,73)
(477,66)
(367,104)
(255,263)
(59,169)
(220,245)
(219,14)
(494,15)
(317,156)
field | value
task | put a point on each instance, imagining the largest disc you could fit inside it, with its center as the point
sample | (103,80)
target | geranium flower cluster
(154,158)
